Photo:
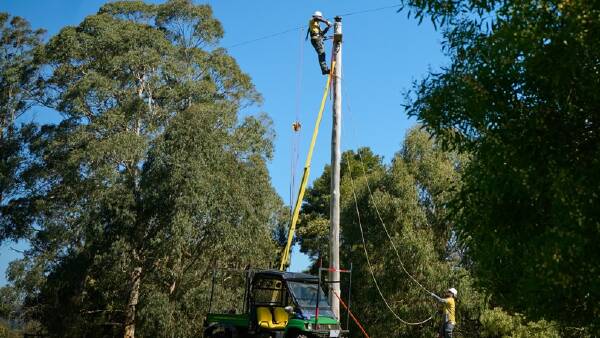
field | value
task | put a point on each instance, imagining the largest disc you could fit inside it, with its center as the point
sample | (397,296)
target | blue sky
(383,53)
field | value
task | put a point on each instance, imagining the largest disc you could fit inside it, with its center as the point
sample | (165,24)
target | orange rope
(351,314)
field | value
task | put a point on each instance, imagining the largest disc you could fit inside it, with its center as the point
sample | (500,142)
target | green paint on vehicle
(237,320)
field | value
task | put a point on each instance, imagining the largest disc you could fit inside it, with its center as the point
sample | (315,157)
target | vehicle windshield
(306,295)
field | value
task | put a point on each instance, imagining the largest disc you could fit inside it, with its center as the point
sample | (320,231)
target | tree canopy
(520,97)
(408,196)
(412,196)
(150,180)
(18,43)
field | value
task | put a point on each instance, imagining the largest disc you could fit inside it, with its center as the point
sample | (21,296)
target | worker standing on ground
(316,38)
(449,312)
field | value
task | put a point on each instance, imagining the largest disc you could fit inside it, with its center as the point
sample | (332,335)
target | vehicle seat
(265,319)
(280,316)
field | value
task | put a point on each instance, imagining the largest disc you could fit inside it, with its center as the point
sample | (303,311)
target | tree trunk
(134,295)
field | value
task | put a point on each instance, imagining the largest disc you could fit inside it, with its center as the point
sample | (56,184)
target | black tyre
(298,335)
(221,332)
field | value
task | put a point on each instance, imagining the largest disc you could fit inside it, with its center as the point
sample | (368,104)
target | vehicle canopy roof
(288,276)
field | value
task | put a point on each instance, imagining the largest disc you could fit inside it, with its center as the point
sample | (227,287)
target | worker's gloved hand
(438,298)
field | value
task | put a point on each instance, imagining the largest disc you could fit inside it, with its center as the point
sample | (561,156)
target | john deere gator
(278,304)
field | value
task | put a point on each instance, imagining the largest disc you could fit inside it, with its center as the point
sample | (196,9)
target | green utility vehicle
(277,304)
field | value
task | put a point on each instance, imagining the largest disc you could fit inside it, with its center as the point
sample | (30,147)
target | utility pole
(336,160)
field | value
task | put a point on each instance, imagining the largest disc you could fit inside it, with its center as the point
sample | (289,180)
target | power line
(370,10)
(266,37)
(385,227)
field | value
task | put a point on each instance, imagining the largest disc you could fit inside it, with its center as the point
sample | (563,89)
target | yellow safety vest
(449,310)
(314,27)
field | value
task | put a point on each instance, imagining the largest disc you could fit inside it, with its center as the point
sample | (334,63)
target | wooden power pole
(336,159)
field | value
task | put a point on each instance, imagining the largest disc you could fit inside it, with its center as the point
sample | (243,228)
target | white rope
(377,209)
(362,235)
(296,135)
(385,227)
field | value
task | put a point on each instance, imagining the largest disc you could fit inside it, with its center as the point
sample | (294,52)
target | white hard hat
(318,14)
(453,291)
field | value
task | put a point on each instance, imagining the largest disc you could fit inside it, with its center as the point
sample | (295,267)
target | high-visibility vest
(314,27)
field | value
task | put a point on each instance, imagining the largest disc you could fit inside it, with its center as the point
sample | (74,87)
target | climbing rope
(362,236)
(296,126)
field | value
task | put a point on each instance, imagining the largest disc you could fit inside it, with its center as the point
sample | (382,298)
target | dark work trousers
(446,330)
(317,42)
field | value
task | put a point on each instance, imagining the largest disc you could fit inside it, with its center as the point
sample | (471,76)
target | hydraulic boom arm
(285,257)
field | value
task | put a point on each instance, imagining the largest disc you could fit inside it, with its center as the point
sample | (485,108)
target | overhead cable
(371,10)
(377,9)
(265,37)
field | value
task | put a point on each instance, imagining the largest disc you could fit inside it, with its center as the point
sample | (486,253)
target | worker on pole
(449,307)
(316,38)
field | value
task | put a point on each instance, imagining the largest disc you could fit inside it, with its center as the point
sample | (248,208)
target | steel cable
(269,36)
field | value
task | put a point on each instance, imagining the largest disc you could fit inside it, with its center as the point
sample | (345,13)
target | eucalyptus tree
(150,180)
(18,76)
(19,73)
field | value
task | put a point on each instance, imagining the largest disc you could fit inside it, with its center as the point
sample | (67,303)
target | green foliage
(7,332)
(148,183)
(521,97)
(19,88)
(19,72)
(9,302)
(313,227)
(497,323)
(409,196)
(18,43)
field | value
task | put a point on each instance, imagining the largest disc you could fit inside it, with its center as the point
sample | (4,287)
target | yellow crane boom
(285,257)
